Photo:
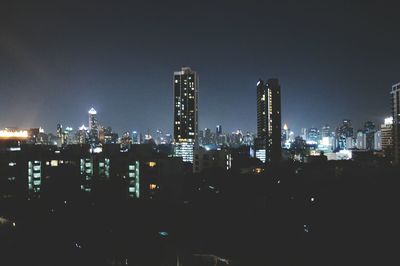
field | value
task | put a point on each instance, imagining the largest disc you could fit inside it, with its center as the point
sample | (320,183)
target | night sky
(57,59)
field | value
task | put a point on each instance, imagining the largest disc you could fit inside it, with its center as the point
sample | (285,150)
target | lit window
(153,186)
(152,164)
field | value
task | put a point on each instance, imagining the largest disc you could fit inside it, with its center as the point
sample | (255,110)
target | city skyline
(258,132)
(298,132)
(99,56)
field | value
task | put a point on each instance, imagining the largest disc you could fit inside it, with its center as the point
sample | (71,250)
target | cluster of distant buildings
(146,165)
(340,142)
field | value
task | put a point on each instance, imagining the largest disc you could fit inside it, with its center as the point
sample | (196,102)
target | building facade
(344,135)
(93,128)
(269,120)
(387,137)
(186,89)
(396,121)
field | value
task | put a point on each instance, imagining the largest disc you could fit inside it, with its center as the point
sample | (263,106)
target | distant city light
(83,128)
(96,150)
(92,111)
(306,228)
(389,121)
(21,134)
(325,141)
(163,233)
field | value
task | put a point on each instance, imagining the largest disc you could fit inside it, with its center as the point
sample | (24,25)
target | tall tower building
(93,128)
(81,135)
(396,121)
(218,130)
(93,119)
(326,131)
(186,90)
(344,133)
(60,136)
(269,120)
(135,137)
(369,130)
(313,135)
(387,137)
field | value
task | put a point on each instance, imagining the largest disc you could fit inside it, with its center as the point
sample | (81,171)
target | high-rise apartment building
(269,120)
(387,137)
(396,121)
(186,90)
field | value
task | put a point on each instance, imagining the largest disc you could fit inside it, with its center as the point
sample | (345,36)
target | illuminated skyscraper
(218,130)
(60,137)
(303,133)
(343,134)
(378,140)
(207,136)
(269,119)
(67,136)
(313,135)
(135,137)
(396,121)
(93,128)
(387,137)
(81,135)
(326,131)
(93,119)
(186,90)
(369,131)
(59,131)
(361,140)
